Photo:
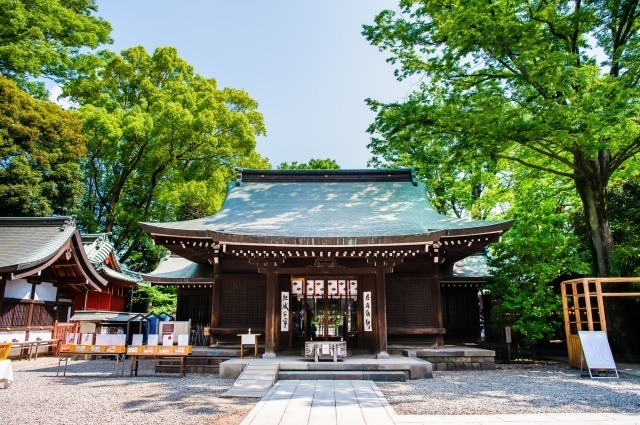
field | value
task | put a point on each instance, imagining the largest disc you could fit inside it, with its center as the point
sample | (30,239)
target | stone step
(254,381)
(341,375)
(166,368)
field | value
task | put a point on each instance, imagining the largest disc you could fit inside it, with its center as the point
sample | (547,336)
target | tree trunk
(591,179)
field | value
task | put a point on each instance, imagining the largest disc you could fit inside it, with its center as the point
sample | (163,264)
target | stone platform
(413,368)
(455,357)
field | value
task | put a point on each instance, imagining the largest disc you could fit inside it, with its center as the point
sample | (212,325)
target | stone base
(456,358)
(269,356)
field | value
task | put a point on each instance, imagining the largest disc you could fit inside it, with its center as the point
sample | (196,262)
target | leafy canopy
(313,164)
(43,38)
(162,141)
(523,81)
(41,149)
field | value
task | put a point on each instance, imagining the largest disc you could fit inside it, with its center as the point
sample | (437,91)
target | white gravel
(92,394)
(538,388)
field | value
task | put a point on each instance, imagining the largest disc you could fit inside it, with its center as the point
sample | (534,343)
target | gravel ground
(537,388)
(92,394)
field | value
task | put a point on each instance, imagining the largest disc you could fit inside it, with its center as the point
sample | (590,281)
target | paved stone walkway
(362,403)
(254,381)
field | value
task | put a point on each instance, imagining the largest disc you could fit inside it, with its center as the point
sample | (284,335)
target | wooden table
(70,350)
(156,353)
(248,339)
(325,349)
(43,343)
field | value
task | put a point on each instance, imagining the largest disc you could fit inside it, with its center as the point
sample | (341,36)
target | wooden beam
(620,294)
(404,330)
(327,271)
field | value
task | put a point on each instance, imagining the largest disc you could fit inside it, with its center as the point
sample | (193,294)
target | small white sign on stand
(596,353)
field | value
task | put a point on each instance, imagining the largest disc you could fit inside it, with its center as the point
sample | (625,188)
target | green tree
(313,164)
(41,149)
(157,299)
(522,81)
(43,38)
(162,141)
(540,250)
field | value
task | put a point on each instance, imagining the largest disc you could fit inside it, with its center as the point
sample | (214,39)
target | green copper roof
(325,204)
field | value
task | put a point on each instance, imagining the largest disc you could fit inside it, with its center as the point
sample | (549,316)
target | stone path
(254,381)
(362,403)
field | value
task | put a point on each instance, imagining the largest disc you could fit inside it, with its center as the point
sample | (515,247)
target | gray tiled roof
(176,269)
(472,266)
(102,316)
(27,242)
(302,209)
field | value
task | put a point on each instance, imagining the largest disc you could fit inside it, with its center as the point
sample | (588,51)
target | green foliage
(313,164)
(624,202)
(41,149)
(518,81)
(539,251)
(43,38)
(159,299)
(162,141)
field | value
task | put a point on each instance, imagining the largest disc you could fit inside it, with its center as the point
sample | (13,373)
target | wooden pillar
(381,310)
(216,294)
(437,309)
(3,284)
(271,327)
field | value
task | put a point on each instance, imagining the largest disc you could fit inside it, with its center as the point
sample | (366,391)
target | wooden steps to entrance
(254,381)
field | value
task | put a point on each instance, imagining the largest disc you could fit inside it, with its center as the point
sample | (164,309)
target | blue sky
(304,61)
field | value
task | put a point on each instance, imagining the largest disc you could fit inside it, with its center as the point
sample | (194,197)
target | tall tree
(551,85)
(313,164)
(43,38)
(162,141)
(41,149)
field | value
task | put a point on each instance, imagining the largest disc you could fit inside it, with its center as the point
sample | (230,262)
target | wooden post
(587,303)
(216,294)
(271,327)
(603,318)
(381,312)
(3,284)
(565,310)
(576,306)
(437,310)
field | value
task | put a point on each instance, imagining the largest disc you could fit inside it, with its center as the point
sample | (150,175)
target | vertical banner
(368,326)
(284,312)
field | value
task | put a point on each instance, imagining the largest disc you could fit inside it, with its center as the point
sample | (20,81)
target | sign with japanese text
(367,301)
(284,312)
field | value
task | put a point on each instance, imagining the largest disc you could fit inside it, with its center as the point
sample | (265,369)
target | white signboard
(597,352)
(136,339)
(183,339)
(174,328)
(284,311)
(367,301)
(152,339)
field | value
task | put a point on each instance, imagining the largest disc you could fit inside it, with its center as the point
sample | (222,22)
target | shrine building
(295,255)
